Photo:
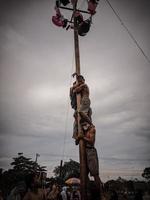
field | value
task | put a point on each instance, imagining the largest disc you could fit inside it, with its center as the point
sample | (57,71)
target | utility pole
(36,157)
(82,154)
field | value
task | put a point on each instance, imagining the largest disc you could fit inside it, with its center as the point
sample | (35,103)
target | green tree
(146,173)
(21,167)
(68,170)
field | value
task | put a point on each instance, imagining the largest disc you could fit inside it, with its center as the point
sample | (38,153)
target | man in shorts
(84,110)
(88,136)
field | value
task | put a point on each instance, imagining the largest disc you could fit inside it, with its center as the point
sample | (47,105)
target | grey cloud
(36,66)
(144,132)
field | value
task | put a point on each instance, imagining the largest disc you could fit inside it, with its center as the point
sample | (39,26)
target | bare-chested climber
(84,110)
(89,133)
(82,88)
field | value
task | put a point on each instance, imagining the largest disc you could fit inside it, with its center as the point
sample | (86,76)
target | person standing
(75,195)
(34,191)
(63,193)
(54,193)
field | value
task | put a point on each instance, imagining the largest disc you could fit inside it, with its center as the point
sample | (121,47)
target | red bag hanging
(57,21)
(92,7)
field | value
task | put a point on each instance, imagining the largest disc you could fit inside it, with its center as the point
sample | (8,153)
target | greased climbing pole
(80,27)
(83,171)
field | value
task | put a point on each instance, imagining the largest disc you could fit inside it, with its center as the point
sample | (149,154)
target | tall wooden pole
(82,155)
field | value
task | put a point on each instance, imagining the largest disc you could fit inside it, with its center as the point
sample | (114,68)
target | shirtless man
(85,111)
(34,192)
(82,88)
(88,136)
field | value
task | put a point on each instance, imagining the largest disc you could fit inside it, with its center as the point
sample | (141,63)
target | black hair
(80,76)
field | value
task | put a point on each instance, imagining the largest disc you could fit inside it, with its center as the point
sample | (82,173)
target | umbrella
(73,181)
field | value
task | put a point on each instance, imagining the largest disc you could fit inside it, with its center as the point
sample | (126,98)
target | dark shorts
(92,161)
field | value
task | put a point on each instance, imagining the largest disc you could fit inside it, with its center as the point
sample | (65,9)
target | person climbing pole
(82,88)
(85,110)
(89,133)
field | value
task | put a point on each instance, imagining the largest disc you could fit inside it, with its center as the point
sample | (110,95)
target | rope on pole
(67,113)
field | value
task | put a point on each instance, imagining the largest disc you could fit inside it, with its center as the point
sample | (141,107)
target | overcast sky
(36,63)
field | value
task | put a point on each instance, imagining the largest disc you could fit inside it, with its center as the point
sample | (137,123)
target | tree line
(22,166)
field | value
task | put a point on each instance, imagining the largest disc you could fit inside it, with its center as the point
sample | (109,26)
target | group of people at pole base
(83,24)
(32,189)
(88,130)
